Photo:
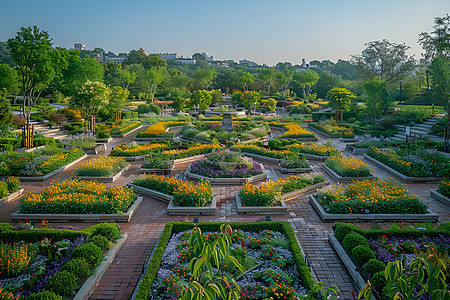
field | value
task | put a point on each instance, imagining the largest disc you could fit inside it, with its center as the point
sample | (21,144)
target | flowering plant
(349,166)
(103,166)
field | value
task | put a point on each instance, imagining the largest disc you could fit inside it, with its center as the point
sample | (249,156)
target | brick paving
(143,231)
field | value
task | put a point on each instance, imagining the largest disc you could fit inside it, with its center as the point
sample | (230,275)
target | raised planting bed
(346,169)
(279,209)
(95,150)
(158,130)
(347,140)
(122,135)
(438,196)
(293,131)
(306,190)
(229,180)
(295,170)
(122,218)
(189,139)
(104,140)
(341,179)
(326,217)
(136,152)
(209,209)
(263,158)
(404,178)
(357,151)
(104,179)
(331,129)
(151,193)
(296,165)
(157,171)
(256,236)
(11,196)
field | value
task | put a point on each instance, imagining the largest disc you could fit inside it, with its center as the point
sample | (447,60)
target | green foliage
(340,99)
(62,283)
(45,295)
(100,241)
(373,266)
(236,98)
(78,267)
(6,117)
(341,230)
(108,230)
(103,134)
(306,80)
(321,291)
(90,252)
(362,254)
(202,98)
(352,240)
(249,98)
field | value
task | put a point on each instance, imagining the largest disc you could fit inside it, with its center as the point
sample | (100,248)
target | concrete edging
(438,196)
(399,175)
(305,190)
(227,181)
(11,196)
(104,141)
(190,158)
(326,217)
(125,217)
(151,193)
(135,158)
(295,170)
(194,211)
(161,171)
(128,133)
(278,210)
(104,179)
(341,179)
(347,140)
(262,157)
(95,150)
(357,151)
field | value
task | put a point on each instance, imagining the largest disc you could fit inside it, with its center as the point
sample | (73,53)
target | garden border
(104,179)
(342,179)
(92,281)
(438,196)
(326,217)
(294,194)
(229,180)
(399,175)
(128,133)
(98,218)
(294,170)
(11,196)
(318,131)
(190,158)
(258,210)
(188,139)
(173,210)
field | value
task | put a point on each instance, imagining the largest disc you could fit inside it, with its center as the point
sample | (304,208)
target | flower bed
(125,128)
(349,166)
(159,130)
(103,166)
(299,165)
(156,165)
(369,251)
(293,130)
(137,150)
(443,192)
(78,197)
(57,264)
(422,164)
(189,152)
(282,267)
(9,189)
(333,129)
(254,149)
(37,163)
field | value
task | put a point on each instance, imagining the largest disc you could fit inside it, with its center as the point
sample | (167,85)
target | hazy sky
(260,30)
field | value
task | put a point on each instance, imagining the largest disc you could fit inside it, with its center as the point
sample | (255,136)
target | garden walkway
(144,229)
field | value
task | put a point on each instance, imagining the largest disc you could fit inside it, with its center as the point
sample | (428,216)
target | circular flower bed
(226,164)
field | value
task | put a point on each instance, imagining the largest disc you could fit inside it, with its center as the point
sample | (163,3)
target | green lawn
(437,109)
(17,108)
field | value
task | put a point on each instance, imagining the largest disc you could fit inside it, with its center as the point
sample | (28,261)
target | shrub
(62,283)
(3,189)
(108,230)
(44,295)
(444,187)
(352,240)
(103,134)
(100,241)
(341,231)
(78,267)
(90,252)
(362,254)
(13,184)
(378,281)
(374,266)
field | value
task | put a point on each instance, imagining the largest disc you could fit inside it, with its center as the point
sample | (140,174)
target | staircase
(42,128)
(421,130)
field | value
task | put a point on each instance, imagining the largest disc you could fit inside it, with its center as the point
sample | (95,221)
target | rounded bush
(44,295)
(378,281)
(78,267)
(100,241)
(352,240)
(341,231)
(90,252)
(108,230)
(374,266)
(62,283)
(362,254)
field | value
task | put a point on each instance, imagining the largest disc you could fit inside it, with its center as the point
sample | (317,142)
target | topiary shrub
(90,252)
(362,254)
(378,282)
(100,241)
(342,230)
(108,230)
(373,266)
(44,295)
(62,283)
(78,267)
(352,240)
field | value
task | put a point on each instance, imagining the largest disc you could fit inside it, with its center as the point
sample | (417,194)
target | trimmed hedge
(175,227)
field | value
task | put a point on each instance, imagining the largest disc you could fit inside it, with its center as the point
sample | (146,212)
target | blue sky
(260,30)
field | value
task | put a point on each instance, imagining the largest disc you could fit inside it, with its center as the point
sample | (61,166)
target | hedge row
(172,228)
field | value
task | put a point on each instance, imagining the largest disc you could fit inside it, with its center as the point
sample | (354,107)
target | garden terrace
(369,200)
(284,263)
(158,131)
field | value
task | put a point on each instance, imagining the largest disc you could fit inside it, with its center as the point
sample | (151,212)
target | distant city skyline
(263,31)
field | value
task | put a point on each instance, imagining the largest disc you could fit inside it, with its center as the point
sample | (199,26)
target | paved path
(144,229)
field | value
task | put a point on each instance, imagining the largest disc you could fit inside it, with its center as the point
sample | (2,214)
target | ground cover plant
(349,166)
(269,194)
(78,197)
(103,166)
(330,127)
(184,193)
(419,163)
(224,164)
(378,196)
(82,142)
(53,266)
(159,129)
(37,163)
(293,130)
(9,186)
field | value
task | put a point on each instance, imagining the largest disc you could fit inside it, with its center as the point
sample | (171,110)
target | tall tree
(153,78)
(205,76)
(340,99)
(179,81)
(267,76)
(437,43)
(249,98)
(374,90)
(243,79)
(118,100)
(202,98)
(37,63)
(9,80)
(385,60)
(306,79)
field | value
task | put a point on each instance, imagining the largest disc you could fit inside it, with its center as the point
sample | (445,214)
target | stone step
(427,126)
(419,131)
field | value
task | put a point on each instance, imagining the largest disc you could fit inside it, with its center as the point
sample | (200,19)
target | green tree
(178,103)
(117,100)
(153,78)
(437,43)
(5,54)
(202,98)
(147,61)
(340,99)
(37,63)
(179,81)
(6,117)
(205,76)
(384,60)
(249,98)
(267,76)
(217,97)
(243,79)
(306,79)
(9,80)
(374,91)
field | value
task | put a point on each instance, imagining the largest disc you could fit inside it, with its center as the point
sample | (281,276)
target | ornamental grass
(378,196)
(184,193)
(104,166)
(76,196)
(349,166)
(136,150)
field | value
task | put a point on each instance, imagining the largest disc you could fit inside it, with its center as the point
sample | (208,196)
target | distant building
(167,56)
(303,63)
(247,62)
(208,58)
(186,60)
(116,60)
(79,47)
